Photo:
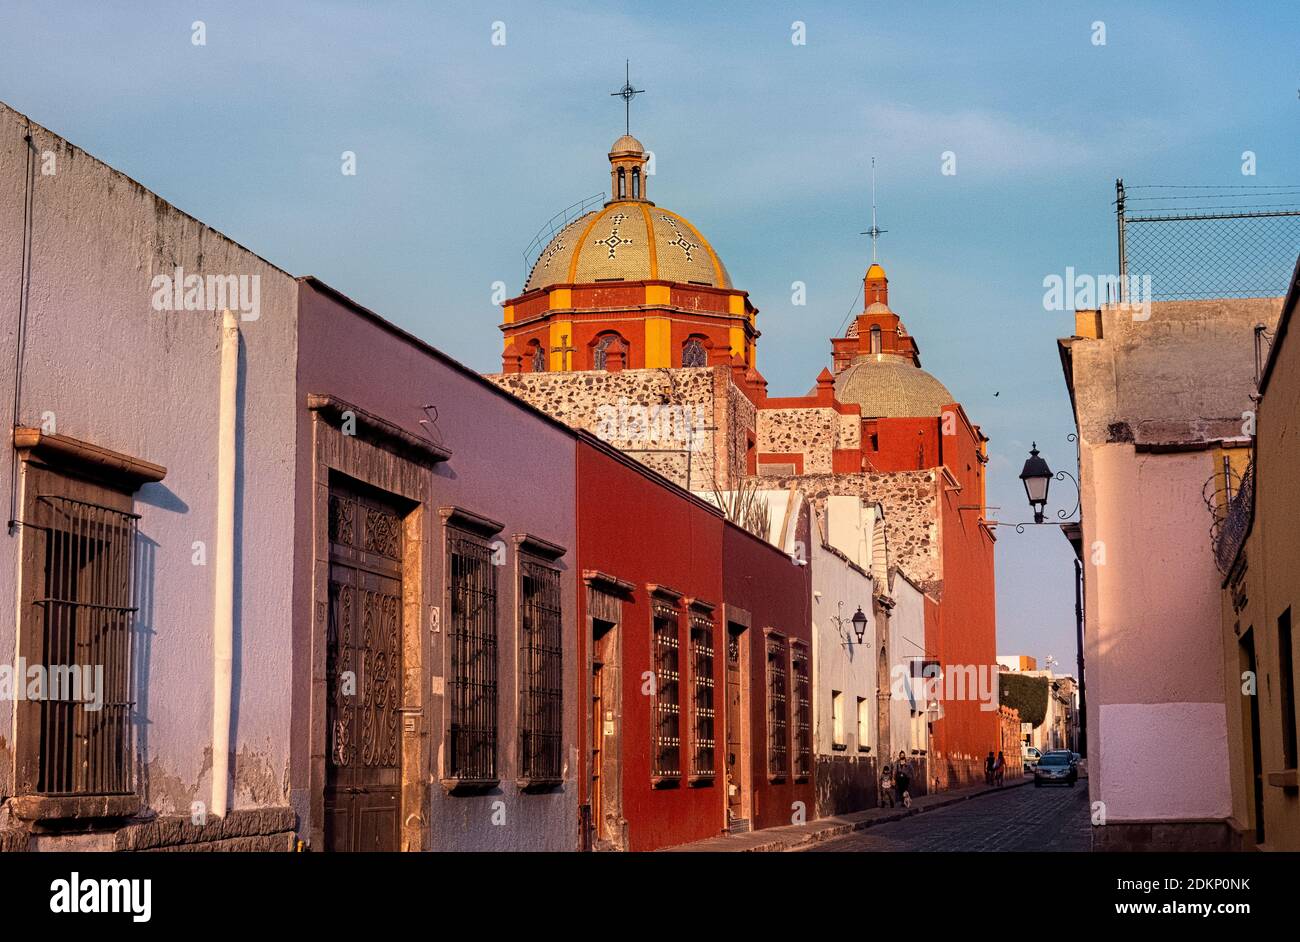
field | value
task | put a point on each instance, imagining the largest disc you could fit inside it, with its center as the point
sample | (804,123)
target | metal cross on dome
(627,93)
(875,231)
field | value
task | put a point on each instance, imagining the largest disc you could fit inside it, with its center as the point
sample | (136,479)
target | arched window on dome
(601,351)
(875,339)
(694,353)
(622,183)
(636,183)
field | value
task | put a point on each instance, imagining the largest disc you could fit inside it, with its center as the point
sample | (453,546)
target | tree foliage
(1026,694)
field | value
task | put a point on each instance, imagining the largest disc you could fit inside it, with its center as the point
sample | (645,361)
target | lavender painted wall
(508,463)
(115,372)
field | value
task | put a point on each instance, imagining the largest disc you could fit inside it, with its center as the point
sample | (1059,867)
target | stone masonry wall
(735,424)
(813,433)
(910,499)
(675,421)
(253,829)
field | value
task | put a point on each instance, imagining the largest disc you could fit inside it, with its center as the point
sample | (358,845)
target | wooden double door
(363,764)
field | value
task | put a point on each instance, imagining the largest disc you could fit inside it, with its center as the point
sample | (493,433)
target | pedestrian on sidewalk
(902,779)
(988,769)
(886,786)
(999,770)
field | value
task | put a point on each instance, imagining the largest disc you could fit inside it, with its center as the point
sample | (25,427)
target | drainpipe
(223,607)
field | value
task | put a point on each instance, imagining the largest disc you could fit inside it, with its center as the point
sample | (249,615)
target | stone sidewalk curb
(796,837)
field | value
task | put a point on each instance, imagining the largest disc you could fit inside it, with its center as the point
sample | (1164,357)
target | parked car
(1055,768)
(1072,756)
(1029,757)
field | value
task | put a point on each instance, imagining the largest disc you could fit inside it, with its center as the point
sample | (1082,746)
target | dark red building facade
(769,681)
(695,664)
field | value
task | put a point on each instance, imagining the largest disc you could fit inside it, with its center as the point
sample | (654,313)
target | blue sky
(465,148)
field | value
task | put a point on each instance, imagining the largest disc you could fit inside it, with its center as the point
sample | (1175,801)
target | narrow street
(1028,818)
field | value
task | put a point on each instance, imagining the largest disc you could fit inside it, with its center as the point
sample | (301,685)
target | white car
(1029,756)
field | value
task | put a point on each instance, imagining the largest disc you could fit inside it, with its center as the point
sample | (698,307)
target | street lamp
(1036,477)
(859,624)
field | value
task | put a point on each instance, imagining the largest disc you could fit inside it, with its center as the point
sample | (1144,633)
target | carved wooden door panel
(597,748)
(737,724)
(363,665)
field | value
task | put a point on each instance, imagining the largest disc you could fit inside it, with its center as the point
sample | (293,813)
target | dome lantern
(627,177)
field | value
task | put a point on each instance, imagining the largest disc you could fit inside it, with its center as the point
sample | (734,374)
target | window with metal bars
(667,766)
(778,746)
(473,637)
(85,623)
(541,681)
(702,708)
(802,711)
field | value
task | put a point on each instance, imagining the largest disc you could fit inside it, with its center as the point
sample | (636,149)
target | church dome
(890,386)
(628,240)
(627,144)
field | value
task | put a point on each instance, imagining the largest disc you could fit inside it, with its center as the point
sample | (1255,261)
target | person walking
(886,786)
(999,769)
(988,769)
(902,779)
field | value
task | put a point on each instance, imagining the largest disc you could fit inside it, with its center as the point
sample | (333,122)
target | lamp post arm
(1078,495)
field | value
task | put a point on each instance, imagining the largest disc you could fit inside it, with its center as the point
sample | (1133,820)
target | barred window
(803,712)
(667,718)
(473,637)
(778,748)
(541,681)
(702,708)
(694,353)
(84,620)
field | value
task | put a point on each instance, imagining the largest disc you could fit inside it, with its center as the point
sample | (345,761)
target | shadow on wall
(846,785)
(146,560)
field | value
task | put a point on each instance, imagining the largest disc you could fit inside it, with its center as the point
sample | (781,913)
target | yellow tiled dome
(628,240)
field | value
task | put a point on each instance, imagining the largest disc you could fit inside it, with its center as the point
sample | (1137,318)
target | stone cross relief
(564,350)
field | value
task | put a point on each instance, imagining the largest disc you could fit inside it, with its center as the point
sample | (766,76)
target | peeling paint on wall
(168,793)
(256,783)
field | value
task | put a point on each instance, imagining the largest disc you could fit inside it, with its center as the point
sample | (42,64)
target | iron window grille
(667,765)
(778,748)
(694,353)
(541,716)
(87,623)
(472,758)
(702,703)
(803,711)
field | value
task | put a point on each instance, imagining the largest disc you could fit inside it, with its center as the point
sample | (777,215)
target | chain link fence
(1207,241)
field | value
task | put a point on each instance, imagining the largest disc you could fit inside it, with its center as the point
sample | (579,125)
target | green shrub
(1026,694)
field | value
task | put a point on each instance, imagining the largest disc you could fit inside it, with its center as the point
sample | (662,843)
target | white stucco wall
(119,374)
(906,641)
(839,588)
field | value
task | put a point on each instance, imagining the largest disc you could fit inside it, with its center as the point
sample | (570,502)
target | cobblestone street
(1028,818)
